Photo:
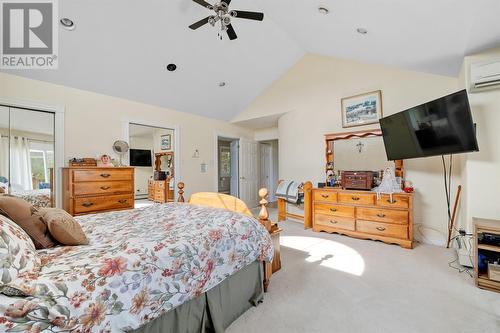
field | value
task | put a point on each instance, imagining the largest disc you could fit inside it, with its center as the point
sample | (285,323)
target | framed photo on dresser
(362,109)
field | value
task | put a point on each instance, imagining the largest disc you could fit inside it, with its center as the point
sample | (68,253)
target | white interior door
(249,172)
(266,166)
(235,168)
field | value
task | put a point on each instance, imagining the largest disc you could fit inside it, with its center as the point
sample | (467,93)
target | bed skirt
(216,309)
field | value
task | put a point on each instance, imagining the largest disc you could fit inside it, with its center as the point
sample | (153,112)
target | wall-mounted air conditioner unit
(484,75)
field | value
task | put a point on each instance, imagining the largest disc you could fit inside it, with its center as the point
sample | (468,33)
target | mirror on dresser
(356,160)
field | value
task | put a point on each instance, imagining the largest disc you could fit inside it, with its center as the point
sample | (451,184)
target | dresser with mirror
(355,162)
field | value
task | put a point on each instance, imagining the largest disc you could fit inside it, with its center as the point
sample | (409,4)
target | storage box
(494,272)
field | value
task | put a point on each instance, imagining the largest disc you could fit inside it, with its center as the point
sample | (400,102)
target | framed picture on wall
(166,142)
(362,109)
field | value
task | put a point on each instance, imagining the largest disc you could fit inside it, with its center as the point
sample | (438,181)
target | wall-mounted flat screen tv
(440,127)
(140,158)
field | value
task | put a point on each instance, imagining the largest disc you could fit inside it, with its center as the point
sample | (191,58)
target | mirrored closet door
(27,155)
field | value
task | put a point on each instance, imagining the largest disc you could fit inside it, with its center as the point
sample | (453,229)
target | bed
(38,198)
(173,267)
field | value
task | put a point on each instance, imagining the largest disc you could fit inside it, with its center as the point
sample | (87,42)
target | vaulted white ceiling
(121,47)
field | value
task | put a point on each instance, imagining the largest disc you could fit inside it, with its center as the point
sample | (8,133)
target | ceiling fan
(224,15)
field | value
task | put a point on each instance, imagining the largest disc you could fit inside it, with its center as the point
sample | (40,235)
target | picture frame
(362,109)
(166,142)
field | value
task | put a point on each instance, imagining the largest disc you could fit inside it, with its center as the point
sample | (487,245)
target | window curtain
(4,159)
(20,164)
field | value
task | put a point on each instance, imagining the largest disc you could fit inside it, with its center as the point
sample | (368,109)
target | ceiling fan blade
(200,23)
(249,15)
(204,4)
(231,33)
(227,2)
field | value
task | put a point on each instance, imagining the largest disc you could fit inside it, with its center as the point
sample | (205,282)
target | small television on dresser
(140,158)
(440,127)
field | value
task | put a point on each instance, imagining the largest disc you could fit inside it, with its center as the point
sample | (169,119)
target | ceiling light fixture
(67,23)
(171,67)
(222,84)
(323,10)
(362,31)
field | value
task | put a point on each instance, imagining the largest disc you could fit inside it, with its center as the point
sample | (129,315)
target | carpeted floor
(333,283)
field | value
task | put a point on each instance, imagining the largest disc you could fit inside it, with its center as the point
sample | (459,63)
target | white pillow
(18,257)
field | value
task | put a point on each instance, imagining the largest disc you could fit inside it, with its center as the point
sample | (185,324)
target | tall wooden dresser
(89,190)
(362,214)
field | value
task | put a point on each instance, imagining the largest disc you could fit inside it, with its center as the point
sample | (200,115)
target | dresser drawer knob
(380,228)
(105,188)
(105,175)
(333,209)
(381,215)
(333,222)
(122,201)
(391,202)
(355,198)
(87,204)
(325,195)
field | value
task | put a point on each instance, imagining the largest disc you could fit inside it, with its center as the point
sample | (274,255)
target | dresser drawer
(382,215)
(334,221)
(334,210)
(323,195)
(90,204)
(398,201)
(357,198)
(100,175)
(160,185)
(383,229)
(107,187)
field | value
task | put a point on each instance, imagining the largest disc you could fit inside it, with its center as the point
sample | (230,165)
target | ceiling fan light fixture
(323,10)
(222,84)
(171,67)
(362,31)
(67,23)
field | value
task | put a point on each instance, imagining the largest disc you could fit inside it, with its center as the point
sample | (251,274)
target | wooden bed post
(264,213)
(180,186)
(264,219)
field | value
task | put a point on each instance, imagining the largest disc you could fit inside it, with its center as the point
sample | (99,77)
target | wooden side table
(487,227)
(275,236)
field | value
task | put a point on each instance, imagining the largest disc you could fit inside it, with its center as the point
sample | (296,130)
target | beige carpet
(333,283)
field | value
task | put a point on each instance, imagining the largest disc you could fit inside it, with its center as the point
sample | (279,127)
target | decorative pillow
(63,227)
(18,256)
(26,216)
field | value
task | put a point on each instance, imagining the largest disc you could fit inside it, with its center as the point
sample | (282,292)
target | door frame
(162,125)
(218,135)
(58,111)
(271,169)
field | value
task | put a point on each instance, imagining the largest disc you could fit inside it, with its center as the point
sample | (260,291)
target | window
(42,160)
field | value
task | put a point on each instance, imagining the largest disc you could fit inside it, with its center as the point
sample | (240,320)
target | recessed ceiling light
(362,31)
(323,10)
(171,67)
(222,84)
(67,23)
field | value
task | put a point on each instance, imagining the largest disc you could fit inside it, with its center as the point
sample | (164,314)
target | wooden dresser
(89,190)
(361,214)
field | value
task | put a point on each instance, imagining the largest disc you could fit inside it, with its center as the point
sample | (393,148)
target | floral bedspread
(38,198)
(139,264)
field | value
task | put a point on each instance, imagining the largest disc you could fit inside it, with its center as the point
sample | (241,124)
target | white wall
(310,94)
(482,169)
(94,121)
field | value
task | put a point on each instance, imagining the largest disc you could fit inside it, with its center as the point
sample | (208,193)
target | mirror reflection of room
(27,155)
(366,154)
(152,156)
